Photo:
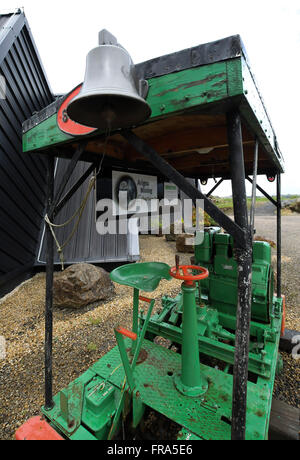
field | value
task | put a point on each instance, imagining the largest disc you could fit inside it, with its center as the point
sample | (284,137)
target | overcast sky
(65,30)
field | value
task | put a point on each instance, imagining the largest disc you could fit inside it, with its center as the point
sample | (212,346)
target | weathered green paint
(234,77)
(207,417)
(168,94)
(181,91)
(144,276)
(188,88)
(135,317)
(190,381)
(217,255)
(46,134)
(125,360)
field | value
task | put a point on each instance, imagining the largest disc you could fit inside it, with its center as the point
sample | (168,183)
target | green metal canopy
(190,93)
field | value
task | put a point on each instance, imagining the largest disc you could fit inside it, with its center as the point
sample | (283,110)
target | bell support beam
(49,289)
(190,190)
(65,179)
(51,208)
(74,189)
(243,256)
(278,190)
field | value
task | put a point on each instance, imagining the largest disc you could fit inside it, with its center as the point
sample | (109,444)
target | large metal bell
(111,96)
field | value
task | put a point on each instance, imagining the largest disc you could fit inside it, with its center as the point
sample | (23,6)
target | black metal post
(278,235)
(66,177)
(49,290)
(244,260)
(74,189)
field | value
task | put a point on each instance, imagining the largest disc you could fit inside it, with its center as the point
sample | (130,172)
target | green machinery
(190,380)
(208,121)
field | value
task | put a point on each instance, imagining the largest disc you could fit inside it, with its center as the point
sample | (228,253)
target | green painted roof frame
(209,78)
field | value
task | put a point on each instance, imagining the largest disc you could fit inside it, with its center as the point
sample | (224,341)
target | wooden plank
(284,422)
(235,77)
(188,88)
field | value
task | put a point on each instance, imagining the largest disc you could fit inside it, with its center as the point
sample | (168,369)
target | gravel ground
(82,337)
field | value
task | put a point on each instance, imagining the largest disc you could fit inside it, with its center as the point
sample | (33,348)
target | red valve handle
(131,335)
(189,277)
(145,299)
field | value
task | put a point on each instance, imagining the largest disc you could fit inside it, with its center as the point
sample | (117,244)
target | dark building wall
(22,177)
(87,245)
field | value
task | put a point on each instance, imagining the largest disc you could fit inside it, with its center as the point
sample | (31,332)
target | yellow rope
(102,385)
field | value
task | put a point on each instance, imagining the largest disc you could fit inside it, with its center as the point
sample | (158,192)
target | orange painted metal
(131,335)
(37,429)
(283,317)
(187,277)
(145,299)
(67,125)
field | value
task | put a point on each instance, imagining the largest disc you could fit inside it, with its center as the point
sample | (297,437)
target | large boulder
(80,285)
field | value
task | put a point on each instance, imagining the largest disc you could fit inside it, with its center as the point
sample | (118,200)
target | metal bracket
(67,175)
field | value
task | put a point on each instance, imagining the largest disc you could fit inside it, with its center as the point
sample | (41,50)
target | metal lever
(177,262)
(119,332)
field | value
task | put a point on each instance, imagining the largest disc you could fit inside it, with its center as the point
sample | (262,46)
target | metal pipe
(252,211)
(135,317)
(278,235)
(214,187)
(49,290)
(244,260)
(263,192)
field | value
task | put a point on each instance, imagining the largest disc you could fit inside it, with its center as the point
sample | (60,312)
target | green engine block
(216,253)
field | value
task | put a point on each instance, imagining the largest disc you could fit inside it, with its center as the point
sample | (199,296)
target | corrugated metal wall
(22,177)
(87,245)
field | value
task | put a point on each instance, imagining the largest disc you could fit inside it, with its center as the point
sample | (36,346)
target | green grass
(95,321)
(226,204)
(92,346)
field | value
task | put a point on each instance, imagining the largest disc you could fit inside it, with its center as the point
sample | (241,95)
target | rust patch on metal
(153,362)
(147,385)
(143,355)
(71,424)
